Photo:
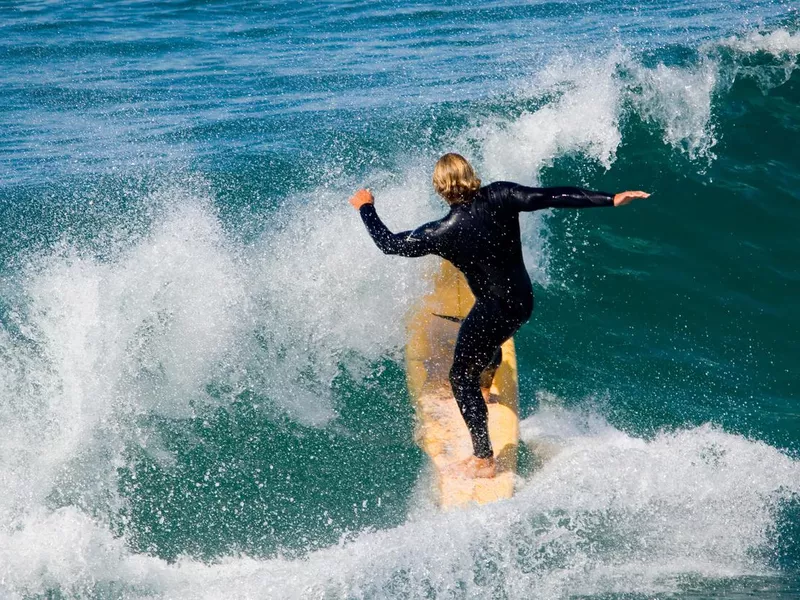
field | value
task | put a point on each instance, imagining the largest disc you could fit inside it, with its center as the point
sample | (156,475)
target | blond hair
(454,179)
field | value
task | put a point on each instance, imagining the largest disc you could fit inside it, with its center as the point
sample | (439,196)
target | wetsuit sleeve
(522,198)
(407,243)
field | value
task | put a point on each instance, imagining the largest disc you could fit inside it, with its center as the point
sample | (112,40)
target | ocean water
(202,391)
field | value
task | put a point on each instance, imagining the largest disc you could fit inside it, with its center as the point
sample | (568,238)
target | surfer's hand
(626,197)
(360,198)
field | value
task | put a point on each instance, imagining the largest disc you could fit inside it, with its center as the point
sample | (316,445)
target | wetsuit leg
(486,327)
(487,375)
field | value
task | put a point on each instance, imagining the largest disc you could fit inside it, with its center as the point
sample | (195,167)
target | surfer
(480,236)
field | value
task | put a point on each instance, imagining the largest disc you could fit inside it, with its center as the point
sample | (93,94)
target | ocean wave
(581,105)
(186,315)
(604,513)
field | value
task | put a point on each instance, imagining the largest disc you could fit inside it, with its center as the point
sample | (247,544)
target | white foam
(780,42)
(609,513)
(581,103)
(694,494)
(65,550)
(101,342)
(580,108)
(739,55)
(581,119)
(679,100)
(326,295)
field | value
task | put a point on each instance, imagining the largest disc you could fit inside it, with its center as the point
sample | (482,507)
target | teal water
(202,391)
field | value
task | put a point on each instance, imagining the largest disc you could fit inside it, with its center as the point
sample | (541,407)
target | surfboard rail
(440,431)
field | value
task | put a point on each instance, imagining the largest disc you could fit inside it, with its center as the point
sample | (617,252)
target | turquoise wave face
(201,381)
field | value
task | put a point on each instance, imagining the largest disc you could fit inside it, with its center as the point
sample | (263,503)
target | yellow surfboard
(441,431)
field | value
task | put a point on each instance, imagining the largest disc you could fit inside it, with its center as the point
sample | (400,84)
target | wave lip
(780,42)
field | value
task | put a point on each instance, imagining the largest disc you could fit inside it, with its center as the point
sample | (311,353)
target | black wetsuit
(482,239)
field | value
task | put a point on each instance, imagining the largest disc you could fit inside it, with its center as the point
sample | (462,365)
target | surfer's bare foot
(474,467)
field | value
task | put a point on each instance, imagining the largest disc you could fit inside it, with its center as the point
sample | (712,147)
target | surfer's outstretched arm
(523,198)
(406,243)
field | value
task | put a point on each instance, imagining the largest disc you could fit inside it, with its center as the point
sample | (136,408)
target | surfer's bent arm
(523,198)
(406,243)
